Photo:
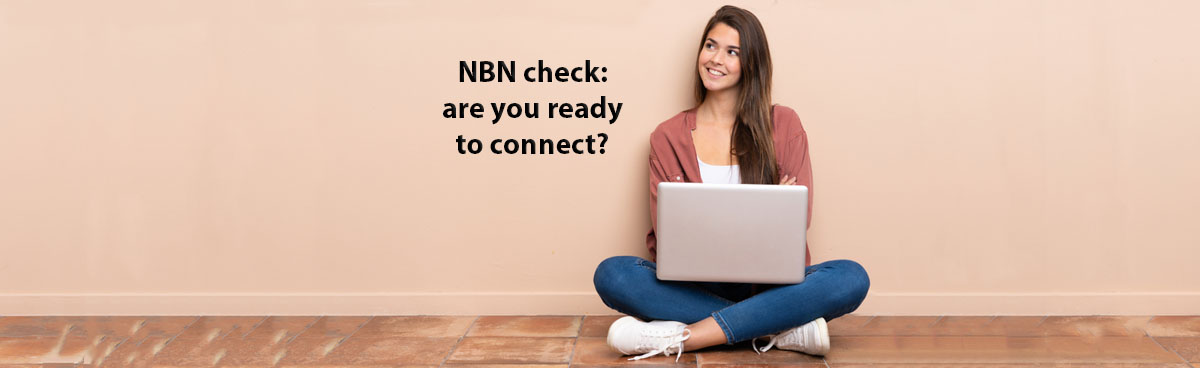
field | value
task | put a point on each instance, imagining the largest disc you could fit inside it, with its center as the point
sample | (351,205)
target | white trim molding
(569,303)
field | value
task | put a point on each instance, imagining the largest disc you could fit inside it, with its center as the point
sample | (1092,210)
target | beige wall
(289,157)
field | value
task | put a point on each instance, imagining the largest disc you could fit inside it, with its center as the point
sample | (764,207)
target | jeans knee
(612,273)
(855,280)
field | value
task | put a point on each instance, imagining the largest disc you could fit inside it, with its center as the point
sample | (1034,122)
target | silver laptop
(732,232)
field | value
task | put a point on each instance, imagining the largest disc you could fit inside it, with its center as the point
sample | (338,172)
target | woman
(735,135)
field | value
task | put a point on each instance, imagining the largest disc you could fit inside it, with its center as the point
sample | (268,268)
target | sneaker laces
(770,344)
(673,340)
(792,335)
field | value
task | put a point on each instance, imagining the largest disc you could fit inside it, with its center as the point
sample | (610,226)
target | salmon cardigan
(673,158)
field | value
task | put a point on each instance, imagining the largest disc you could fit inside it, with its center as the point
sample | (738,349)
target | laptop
(752,233)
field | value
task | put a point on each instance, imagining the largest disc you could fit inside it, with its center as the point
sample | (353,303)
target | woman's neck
(719,109)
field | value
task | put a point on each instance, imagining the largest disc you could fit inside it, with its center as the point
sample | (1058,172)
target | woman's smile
(714,74)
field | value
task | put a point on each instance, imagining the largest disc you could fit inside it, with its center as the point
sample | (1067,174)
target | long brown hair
(752,141)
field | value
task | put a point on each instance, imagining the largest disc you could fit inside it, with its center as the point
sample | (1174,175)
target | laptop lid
(732,232)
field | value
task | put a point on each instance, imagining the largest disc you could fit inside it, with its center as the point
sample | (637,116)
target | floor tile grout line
(140,341)
(575,343)
(133,333)
(172,338)
(339,343)
(353,332)
(302,331)
(289,342)
(114,348)
(1185,361)
(935,322)
(185,328)
(235,327)
(868,321)
(460,339)
(252,328)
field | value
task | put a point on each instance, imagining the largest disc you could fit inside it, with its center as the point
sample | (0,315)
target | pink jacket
(673,158)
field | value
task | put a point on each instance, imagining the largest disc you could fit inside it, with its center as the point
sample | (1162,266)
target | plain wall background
(289,157)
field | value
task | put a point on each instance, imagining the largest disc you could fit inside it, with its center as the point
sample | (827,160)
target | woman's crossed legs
(727,312)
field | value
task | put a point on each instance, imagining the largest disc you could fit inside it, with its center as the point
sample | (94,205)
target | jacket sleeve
(657,175)
(800,166)
(796,162)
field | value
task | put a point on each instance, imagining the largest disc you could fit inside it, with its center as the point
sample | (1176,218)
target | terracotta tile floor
(561,341)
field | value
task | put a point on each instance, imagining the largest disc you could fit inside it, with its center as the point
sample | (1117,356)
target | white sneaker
(812,338)
(630,336)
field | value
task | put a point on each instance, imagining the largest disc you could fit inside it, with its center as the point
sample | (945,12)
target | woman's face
(719,63)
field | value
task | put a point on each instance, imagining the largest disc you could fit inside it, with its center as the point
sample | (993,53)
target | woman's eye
(708,46)
(733,52)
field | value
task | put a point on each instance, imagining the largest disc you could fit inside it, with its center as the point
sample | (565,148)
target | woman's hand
(787,180)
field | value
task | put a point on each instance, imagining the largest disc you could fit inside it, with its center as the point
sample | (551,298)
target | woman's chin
(714,87)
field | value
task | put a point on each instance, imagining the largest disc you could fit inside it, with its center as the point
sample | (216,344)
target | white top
(719,174)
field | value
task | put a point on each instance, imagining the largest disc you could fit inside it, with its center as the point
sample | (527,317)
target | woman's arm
(792,152)
(657,175)
(797,166)
(794,162)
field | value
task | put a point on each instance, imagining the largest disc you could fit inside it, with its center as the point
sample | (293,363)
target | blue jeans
(830,289)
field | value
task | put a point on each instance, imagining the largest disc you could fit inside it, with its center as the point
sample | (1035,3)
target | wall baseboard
(1125,303)
(492,303)
(569,303)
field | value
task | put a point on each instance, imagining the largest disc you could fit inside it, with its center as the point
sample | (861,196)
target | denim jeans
(830,289)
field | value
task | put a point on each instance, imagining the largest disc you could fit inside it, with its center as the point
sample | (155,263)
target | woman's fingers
(783,180)
(787,180)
